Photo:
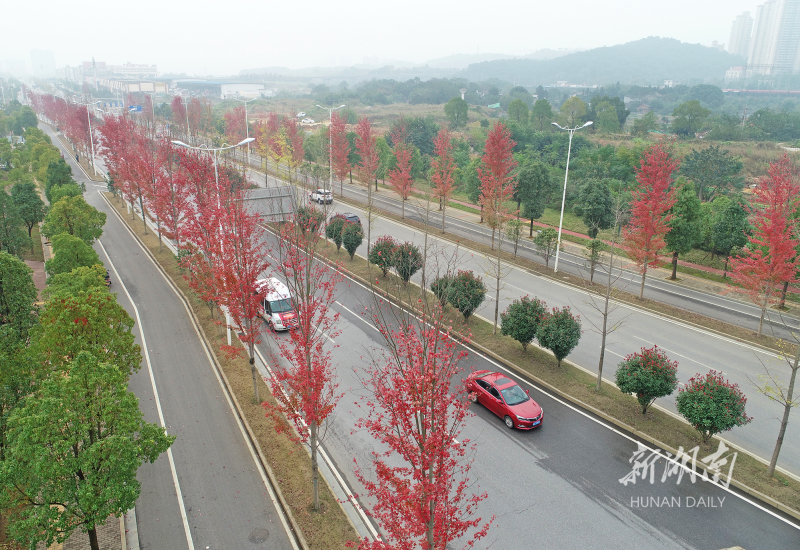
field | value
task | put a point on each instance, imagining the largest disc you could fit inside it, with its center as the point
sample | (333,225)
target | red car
(504,398)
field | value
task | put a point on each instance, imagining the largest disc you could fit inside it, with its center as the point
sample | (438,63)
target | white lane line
(601,423)
(157,399)
(682,356)
(290,535)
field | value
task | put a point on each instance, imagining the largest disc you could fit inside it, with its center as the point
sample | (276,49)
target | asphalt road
(557,486)
(223,491)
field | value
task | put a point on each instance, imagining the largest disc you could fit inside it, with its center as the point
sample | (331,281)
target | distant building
(718,45)
(669,83)
(43,63)
(734,73)
(775,41)
(739,42)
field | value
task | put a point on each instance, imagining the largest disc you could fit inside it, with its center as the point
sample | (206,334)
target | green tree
(534,189)
(514,233)
(406,260)
(91,321)
(12,235)
(731,229)
(689,118)
(648,374)
(73,454)
(546,242)
(518,111)
(352,237)
(67,190)
(73,215)
(713,171)
(684,227)
(58,173)
(456,111)
(642,126)
(606,119)
(81,279)
(29,204)
(573,110)
(712,405)
(17,297)
(541,114)
(334,230)
(70,253)
(521,319)
(559,331)
(381,253)
(595,206)
(601,104)
(467,293)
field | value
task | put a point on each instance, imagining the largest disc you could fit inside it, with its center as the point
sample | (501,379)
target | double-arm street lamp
(246,126)
(91,135)
(330,140)
(564,196)
(215,150)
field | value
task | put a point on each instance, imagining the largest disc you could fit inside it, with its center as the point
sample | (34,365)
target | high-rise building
(739,43)
(775,43)
(43,63)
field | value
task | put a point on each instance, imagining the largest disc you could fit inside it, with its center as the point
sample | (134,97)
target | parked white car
(308,121)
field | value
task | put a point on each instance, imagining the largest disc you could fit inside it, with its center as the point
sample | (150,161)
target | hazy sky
(205,37)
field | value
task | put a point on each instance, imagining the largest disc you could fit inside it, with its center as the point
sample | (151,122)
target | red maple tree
(235,125)
(115,146)
(293,143)
(370,160)
(497,176)
(340,149)
(400,176)
(443,167)
(416,412)
(643,237)
(770,259)
(304,386)
(178,120)
(195,109)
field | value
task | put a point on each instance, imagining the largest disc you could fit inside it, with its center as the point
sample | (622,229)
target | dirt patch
(290,463)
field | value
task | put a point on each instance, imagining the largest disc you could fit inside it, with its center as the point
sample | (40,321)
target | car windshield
(281,306)
(514,395)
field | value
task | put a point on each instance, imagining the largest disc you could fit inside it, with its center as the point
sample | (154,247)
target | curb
(270,474)
(527,375)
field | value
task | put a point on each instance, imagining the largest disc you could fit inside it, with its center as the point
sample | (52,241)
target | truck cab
(277,307)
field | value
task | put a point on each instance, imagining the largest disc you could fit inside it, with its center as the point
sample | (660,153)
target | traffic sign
(134,108)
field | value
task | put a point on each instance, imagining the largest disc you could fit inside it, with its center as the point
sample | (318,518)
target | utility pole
(330,141)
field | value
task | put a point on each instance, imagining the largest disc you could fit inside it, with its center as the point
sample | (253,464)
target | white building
(739,43)
(244,90)
(775,42)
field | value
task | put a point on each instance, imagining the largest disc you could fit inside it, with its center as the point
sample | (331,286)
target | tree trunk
(493,229)
(674,265)
(761,320)
(782,302)
(314,465)
(497,293)
(403,211)
(144,219)
(725,271)
(444,209)
(530,233)
(351,176)
(481,213)
(787,408)
(605,324)
(644,274)
(93,539)
(254,373)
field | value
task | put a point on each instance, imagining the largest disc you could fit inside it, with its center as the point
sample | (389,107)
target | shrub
(559,331)
(334,230)
(381,253)
(467,293)
(546,242)
(648,374)
(406,260)
(441,288)
(309,219)
(712,404)
(521,319)
(352,237)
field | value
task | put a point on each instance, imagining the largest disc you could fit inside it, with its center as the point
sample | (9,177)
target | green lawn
(37,255)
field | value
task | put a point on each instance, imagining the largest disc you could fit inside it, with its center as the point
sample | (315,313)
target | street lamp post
(564,196)
(216,150)
(330,140)
(246,126)
(91,136)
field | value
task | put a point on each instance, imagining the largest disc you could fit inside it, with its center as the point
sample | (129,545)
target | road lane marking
(157,399)
(261,471)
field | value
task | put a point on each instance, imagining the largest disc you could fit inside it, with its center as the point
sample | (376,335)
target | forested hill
(649,61)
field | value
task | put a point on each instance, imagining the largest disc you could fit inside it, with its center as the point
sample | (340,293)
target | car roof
(276,289)
(499,380)
(349,215)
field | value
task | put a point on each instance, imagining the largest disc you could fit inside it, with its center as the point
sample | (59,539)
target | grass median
(578,386)
(327,529)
